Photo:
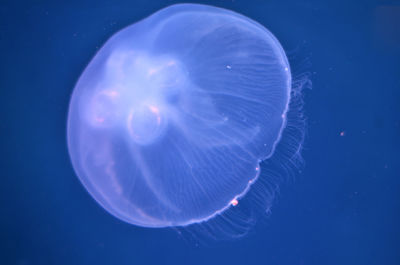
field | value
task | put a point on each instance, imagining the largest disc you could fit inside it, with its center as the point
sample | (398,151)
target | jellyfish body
(168,123)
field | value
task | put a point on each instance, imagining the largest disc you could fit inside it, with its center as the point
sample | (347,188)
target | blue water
(343,208)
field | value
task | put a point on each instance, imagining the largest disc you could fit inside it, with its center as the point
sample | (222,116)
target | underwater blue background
(344,207)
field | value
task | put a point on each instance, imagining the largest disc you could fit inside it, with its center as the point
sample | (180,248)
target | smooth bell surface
(169,121)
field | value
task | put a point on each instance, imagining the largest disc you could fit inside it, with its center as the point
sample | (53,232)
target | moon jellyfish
(169,122)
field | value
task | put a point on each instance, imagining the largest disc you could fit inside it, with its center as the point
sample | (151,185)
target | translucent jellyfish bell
(168,123)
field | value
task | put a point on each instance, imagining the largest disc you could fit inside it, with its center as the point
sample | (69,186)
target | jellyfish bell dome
(169,122)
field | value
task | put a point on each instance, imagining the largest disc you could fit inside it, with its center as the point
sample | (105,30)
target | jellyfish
(169,122)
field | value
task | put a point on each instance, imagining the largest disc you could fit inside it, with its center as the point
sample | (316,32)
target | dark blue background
(343,209)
